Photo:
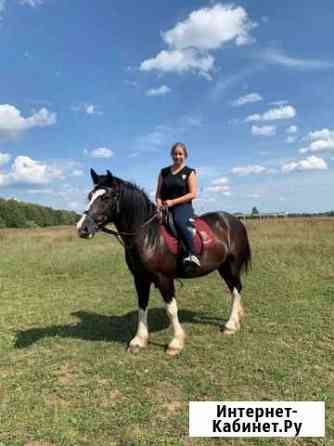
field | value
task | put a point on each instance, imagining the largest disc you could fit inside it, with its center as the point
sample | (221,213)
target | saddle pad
(204,238)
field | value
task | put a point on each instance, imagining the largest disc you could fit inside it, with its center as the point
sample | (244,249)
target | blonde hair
(183,147)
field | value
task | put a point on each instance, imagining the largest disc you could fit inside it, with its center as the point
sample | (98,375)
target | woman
(177,187)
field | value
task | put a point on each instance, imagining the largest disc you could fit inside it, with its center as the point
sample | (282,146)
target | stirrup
(192,259)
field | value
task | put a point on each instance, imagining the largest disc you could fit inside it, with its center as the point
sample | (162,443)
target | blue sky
(247,86)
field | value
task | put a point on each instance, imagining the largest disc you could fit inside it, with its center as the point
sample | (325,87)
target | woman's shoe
(192,260)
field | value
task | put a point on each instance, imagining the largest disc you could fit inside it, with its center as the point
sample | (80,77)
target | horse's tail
(246,260)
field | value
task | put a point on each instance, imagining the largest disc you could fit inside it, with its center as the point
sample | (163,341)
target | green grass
(68,308)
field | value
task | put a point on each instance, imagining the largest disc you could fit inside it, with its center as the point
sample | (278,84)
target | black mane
(134,205)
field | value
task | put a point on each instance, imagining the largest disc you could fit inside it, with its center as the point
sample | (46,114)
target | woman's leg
(182,214)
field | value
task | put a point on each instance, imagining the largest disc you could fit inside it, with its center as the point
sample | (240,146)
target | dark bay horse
(113,200)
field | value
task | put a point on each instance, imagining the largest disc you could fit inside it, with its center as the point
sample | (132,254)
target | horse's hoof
(134,349)
(228,332)
(171,351)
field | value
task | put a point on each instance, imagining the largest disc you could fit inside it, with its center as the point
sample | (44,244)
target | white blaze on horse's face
(95,195)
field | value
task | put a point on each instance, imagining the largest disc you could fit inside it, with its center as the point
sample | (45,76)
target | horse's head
(103,205)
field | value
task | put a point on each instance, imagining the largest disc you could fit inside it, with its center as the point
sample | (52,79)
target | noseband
(91,219)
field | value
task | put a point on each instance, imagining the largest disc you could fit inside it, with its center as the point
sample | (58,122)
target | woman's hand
(158,203)
(169,203)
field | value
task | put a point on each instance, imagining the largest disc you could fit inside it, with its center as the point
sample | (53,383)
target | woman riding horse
(149,258)
(176,189)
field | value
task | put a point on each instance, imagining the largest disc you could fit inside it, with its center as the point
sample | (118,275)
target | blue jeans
(182,213)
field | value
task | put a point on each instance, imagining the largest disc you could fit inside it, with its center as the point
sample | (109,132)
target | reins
(118,234)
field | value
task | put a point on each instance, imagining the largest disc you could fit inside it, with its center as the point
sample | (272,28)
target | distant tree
(255,211)
(2,223)
(13,214)
(16,214)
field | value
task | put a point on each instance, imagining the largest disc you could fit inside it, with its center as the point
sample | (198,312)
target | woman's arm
(158,200)
(191,195)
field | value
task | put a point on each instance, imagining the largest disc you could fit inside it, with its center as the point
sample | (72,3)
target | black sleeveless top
(174,185)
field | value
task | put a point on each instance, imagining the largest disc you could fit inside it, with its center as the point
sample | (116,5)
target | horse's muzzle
(86,227)
(85,233)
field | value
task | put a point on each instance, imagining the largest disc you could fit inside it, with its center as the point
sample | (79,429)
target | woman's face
(178,155)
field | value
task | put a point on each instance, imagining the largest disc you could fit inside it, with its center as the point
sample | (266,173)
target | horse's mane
(135,205)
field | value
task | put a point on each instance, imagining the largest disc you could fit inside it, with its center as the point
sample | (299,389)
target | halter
(118,234)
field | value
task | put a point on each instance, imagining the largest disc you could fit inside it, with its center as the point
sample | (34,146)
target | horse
(127,206)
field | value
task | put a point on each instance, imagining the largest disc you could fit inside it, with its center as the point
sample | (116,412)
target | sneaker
(192,259)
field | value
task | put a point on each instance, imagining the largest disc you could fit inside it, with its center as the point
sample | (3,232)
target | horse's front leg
(143,293)
(167,290)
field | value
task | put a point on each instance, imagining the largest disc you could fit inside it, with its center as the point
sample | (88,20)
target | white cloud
(207,171)
(32,3)
(225,190)
(266,130)
(28,171)
(276,56)
(253,169)
(100,152)
(210,28)
(283,112)
(279,102)
(292,129)
(12,123)
(4,158)
(221,181)
(247,99)
(321,134)
(90,109)
(158,91)
(321,141)
(180,61)
(310,163)
(204,30)
(219,185)
(291,139)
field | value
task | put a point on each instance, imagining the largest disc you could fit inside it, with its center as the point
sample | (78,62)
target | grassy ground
(67,310)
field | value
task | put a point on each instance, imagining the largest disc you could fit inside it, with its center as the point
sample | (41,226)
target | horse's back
(230,228)
(223,218)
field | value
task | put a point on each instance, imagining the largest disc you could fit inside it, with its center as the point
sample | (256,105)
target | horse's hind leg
(167,290)
(141,338)
(230,272)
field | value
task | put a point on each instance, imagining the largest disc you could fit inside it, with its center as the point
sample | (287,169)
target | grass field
(68,308)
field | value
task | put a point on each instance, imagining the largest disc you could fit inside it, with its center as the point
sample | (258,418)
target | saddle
(203,236)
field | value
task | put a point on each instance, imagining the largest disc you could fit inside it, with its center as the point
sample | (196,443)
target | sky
(247,86)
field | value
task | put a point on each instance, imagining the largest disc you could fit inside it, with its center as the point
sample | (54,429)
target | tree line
(17,214)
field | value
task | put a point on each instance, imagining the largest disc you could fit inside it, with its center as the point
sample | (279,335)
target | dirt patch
(174,406)
(65,375)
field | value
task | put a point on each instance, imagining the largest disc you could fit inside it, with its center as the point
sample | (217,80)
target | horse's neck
(133,227)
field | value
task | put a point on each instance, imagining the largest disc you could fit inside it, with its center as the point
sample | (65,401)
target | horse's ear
(94,176)
(109,175)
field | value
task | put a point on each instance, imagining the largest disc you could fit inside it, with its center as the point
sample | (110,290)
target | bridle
(118,234)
